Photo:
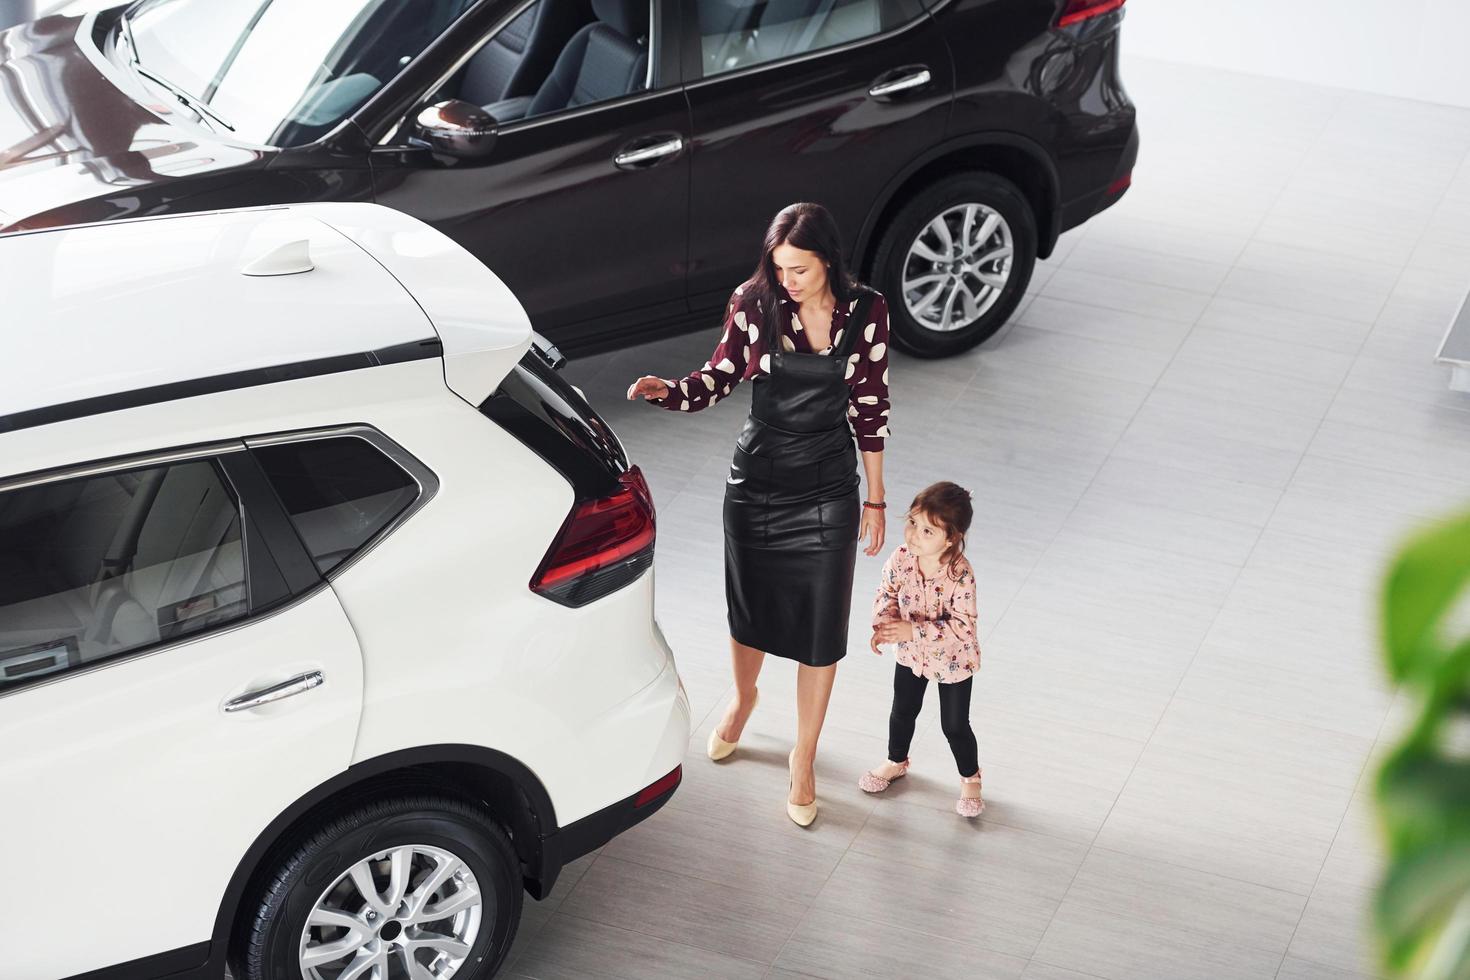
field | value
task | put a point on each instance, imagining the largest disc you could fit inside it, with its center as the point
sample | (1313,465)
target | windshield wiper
(196,105)
(125,31)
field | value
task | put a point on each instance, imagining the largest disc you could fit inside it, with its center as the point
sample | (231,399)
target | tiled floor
(1191,453)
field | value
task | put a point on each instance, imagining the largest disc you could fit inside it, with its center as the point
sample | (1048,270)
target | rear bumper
(584,836)
(636,734)
(1097,199)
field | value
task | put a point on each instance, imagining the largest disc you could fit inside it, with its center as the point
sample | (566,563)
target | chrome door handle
(917,79)
(648,154)
(299,684)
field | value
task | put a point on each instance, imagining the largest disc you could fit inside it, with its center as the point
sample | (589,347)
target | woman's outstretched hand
(872,524)
(649,387)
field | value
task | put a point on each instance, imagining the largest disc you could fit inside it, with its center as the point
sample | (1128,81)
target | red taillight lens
(603,545)
(1078,10)
(650,793)
(1121,184)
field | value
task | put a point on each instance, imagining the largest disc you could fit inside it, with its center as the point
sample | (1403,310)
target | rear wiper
(194,104)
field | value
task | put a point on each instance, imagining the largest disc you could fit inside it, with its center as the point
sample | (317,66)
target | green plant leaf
(1420,782)
(1422,910)
(1430,574)
(1449,956)
(1419,894)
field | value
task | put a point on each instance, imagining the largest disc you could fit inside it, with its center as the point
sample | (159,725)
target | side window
(560,54)
(102,565)
(736,34)
(340,493)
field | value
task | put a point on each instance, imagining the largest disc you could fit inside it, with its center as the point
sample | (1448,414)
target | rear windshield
(277,72)
(547,415)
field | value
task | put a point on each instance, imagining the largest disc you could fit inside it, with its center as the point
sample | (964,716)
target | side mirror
(454,129)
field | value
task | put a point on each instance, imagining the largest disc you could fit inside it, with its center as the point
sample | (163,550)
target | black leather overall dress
(791,505)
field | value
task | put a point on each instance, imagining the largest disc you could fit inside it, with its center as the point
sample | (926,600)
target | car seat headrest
(628,17)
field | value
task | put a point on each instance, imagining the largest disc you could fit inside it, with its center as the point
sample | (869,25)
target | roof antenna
(284,260)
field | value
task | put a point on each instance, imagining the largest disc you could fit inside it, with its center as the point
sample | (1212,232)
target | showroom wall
(1409,48)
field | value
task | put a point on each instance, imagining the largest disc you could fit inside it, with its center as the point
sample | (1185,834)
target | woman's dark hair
(948,506)
(812,228)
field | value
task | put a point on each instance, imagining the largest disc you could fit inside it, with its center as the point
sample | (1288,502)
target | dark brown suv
(614,161)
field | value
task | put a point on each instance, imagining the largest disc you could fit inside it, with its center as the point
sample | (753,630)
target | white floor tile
(1193,452)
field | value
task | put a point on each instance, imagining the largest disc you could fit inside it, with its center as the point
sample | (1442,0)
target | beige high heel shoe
(717,748)
(801,814)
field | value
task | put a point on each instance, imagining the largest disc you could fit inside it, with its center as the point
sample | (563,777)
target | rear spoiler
(483,327)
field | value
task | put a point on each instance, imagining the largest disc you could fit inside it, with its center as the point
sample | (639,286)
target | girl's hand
(872,524)
(649,387)
(873,643)
(893,633)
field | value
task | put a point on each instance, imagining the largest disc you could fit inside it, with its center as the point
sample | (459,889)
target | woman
(814,343)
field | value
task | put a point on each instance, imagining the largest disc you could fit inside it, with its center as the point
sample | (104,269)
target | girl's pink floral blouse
(942,609)
(741,353)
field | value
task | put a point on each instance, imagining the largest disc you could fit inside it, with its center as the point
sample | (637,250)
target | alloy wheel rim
(411,912)
(957,267)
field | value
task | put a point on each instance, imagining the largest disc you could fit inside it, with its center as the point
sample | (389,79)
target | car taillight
(1121,184)
(1079,10)
(603,545)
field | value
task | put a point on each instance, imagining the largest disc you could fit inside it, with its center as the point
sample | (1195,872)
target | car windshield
(278,72)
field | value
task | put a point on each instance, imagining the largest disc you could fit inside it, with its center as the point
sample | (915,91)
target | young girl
(926,605)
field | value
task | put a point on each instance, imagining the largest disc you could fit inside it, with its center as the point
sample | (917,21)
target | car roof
(102,317)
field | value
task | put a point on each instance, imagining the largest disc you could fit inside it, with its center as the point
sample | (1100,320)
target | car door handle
(652,153)
(904,83)
(299,684)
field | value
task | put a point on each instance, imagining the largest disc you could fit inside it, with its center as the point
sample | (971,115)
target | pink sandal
(869,783)
(970,806)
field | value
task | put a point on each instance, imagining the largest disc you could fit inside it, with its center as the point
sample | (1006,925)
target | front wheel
(399,890)
(954,263)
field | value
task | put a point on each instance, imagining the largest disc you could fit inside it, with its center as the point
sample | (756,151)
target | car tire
(910,249)
(410,839)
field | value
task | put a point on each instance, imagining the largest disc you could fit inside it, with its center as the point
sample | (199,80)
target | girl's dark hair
(810,227)
(947,505)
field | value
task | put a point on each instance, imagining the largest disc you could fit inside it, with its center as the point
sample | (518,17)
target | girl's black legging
(954,717)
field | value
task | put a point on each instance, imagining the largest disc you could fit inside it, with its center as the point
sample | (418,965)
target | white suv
(325,605)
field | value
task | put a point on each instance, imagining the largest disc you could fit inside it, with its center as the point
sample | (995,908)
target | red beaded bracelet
(869,503)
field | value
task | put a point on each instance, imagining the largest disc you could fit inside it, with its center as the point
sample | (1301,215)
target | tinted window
(98,566)
(542,411)
(340,493)
(738,33)
(281,72)
(557,55)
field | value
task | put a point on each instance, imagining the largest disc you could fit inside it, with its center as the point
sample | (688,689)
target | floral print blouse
(942,609)
(741,353)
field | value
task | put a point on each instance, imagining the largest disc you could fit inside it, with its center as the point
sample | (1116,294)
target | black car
(614,161)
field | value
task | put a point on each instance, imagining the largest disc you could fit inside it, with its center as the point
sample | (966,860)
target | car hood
(75,128)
